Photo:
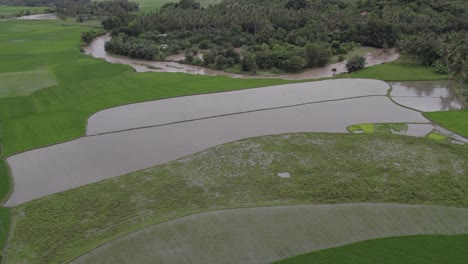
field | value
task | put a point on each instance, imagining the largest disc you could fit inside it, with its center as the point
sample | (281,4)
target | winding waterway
(97,50)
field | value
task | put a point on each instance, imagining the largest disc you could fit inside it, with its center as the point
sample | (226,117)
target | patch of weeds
(365,128)
(437,136)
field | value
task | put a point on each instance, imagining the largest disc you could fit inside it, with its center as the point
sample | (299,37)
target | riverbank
(97,49)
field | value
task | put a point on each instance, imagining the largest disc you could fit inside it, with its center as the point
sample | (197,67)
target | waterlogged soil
(97,50)
(267,234)
(209,105)
(39,16)
(426,96)
(94,158)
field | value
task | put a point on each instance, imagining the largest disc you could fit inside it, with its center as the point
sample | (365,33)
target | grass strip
(455,121)
(428,249)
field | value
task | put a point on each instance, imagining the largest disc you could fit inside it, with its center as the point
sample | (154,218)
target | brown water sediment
(96,49)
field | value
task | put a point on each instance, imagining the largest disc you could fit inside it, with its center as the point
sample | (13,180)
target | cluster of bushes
(88,36)
(134,47)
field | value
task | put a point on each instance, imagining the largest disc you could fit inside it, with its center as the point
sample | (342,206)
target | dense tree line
(288,34)
(87,9)
(83,9)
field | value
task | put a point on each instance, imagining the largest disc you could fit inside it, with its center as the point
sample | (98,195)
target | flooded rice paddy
(267,234)
(94,158)
(97,50)
(210,105)
(426,96)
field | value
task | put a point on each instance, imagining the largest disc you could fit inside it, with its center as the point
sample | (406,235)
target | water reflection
(426,96)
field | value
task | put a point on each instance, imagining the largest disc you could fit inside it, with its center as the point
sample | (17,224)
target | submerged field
(266,234)
(324,168)
(403,250)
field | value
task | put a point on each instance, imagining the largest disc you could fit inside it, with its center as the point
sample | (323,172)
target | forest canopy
(288,34)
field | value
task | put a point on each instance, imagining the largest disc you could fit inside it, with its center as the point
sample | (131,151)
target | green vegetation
(85,85)
(13,11)
(291,35)
(355,63)
(4,227)
(270,233)
(24,83)
(5,183)
(397,71)
(456,121)
(379,128)
(348,168)
(365,128)
(403,250)
(437,136)
(152,5)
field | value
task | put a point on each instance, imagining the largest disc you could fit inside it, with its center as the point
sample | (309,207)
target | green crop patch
(396,71)
(4,226)
(24,83)
(437,136)
(406,250)
(379,128)
(456,121)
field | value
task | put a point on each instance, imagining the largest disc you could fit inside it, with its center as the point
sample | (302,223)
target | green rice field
(12,11)
(456,121)
(403,250)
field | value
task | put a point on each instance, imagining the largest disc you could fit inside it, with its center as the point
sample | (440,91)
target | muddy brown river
(96,49)
(94,158)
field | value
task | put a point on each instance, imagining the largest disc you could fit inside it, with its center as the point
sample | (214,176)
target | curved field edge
(455,121)
(266,234)
(87,85)
(423,249)
(324,168)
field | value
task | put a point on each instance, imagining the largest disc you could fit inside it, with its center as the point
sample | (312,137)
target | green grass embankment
(402,250)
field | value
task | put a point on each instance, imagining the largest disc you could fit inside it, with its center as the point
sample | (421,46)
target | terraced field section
(322,168)
(94,158)
(405,250)
(266,234)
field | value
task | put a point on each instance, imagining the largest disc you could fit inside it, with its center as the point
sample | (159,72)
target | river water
(97,50)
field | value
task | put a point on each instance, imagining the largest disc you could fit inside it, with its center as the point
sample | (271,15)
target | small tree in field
(356,63)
